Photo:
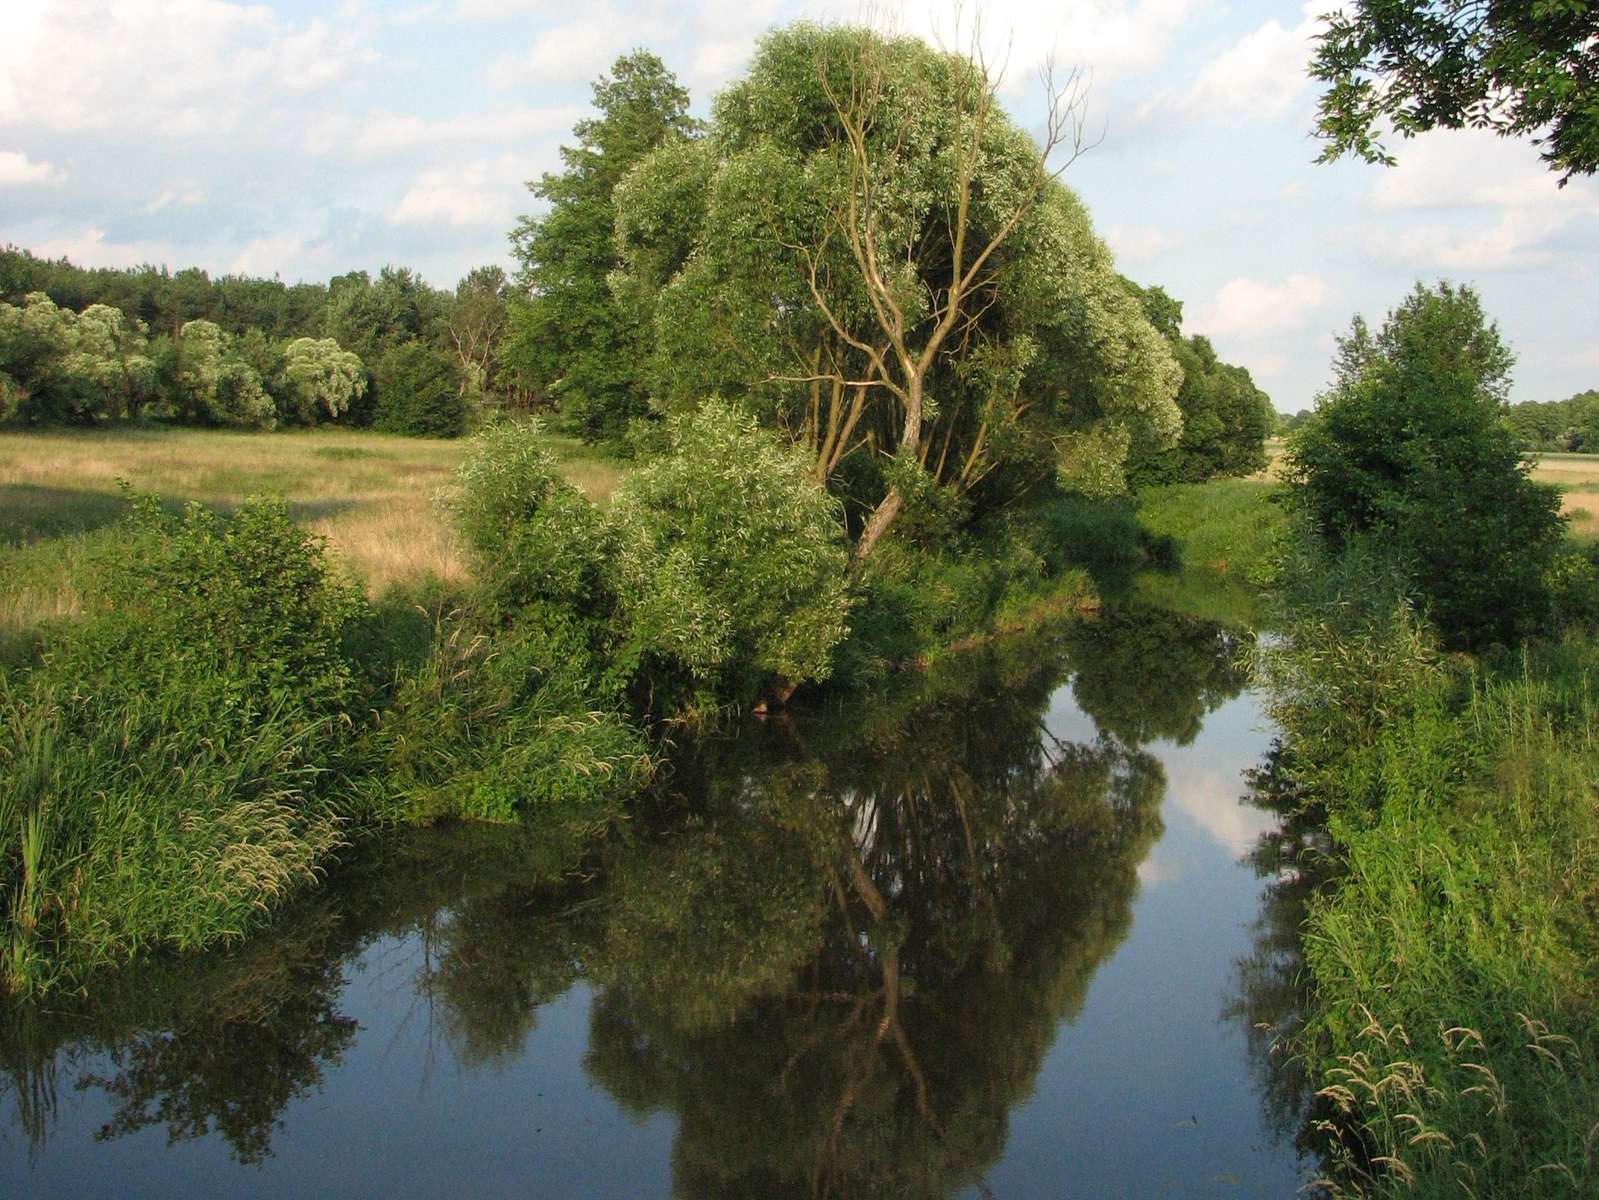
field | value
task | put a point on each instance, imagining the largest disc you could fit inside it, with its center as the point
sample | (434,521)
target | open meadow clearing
(375,497)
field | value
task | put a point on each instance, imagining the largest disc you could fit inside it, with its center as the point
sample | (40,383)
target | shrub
(1409,445)
(731,558)
(533,537)
(418,393)
(506,728)
(166,762)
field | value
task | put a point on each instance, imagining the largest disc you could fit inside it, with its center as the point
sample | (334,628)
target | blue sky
(305,140)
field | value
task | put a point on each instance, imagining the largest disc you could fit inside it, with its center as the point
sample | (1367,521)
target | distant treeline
(1226,418)
(1571,424)
(83,345)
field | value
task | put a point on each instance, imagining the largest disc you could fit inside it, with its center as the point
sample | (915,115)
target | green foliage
(418,393)
(209,383)
(1236,529)
(1226,418)
(534,538)
(1409,445)
(1570,425)
(1013,570)
(1523,67)
(62,366)
(745,254)
(571,339)
(319,381)
(169,759)
(1451,1028)
(730,557)
(499,725)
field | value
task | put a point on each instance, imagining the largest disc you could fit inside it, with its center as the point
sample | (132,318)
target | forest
(860,394)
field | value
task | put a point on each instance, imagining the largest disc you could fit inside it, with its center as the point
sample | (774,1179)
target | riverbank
(1451,1027)
(225,702)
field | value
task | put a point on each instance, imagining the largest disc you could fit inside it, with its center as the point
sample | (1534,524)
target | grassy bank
(1452,1029)
(1224,538)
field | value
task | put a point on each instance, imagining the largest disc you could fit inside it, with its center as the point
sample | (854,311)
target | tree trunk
(876,525)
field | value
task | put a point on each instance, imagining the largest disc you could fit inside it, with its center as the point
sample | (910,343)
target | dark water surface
(998,933)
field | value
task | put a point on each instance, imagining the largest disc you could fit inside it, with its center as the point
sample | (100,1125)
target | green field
(375,497)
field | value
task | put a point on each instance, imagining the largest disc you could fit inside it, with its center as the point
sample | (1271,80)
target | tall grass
(1232,528)
(1455,960)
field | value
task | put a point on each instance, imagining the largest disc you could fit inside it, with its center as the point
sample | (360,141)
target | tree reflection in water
(837,952)
(1271,997)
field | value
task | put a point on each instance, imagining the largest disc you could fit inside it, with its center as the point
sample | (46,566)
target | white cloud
(172,67)
(580,49)
(482,194)
(1517,240)
(707,41)
(1473,169)
(1246,307)
(190,197)
(18,170)
(1263,364)
(89,248)
(386,134)
(1261,77)
(265,256)
(1139,243)
(1213,799)
(1490,205)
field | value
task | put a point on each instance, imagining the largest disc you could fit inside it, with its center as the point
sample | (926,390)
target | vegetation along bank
(763,464)
(798,473)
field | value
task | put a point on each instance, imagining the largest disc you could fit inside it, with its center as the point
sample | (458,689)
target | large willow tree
(868,252)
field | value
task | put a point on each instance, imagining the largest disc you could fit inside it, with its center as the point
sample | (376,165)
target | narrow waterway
(999,932)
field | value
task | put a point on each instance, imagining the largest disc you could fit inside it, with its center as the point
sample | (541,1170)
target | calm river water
(1008,931)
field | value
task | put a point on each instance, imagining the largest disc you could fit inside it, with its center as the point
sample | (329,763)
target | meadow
(375,497)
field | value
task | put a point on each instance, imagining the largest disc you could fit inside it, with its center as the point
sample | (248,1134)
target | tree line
(83,346)
(1570,425)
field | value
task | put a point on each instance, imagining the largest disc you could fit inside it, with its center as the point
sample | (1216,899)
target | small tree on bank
(1409,447)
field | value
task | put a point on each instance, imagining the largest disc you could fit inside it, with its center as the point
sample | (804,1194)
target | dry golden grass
(1577,476)
(375,497)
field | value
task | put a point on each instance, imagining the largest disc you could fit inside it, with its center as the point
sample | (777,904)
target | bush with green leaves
(507,725)
(166,767)
(534,539)
(418,393)
(731,558)
(207,382)
(1408,445)
(318,381)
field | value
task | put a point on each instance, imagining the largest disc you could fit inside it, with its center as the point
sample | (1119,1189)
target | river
(1010,928)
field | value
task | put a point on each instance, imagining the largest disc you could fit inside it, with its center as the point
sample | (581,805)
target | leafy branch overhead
(1513,66)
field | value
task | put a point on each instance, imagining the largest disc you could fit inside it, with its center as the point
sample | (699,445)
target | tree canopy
(1225,416)
(1409,445)
(569,337)
(1513,66)
(875,259)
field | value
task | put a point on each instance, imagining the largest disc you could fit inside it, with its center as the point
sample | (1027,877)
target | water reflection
(1293,857)
(835,950)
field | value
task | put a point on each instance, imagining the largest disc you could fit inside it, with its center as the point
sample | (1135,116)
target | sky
(305,140)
